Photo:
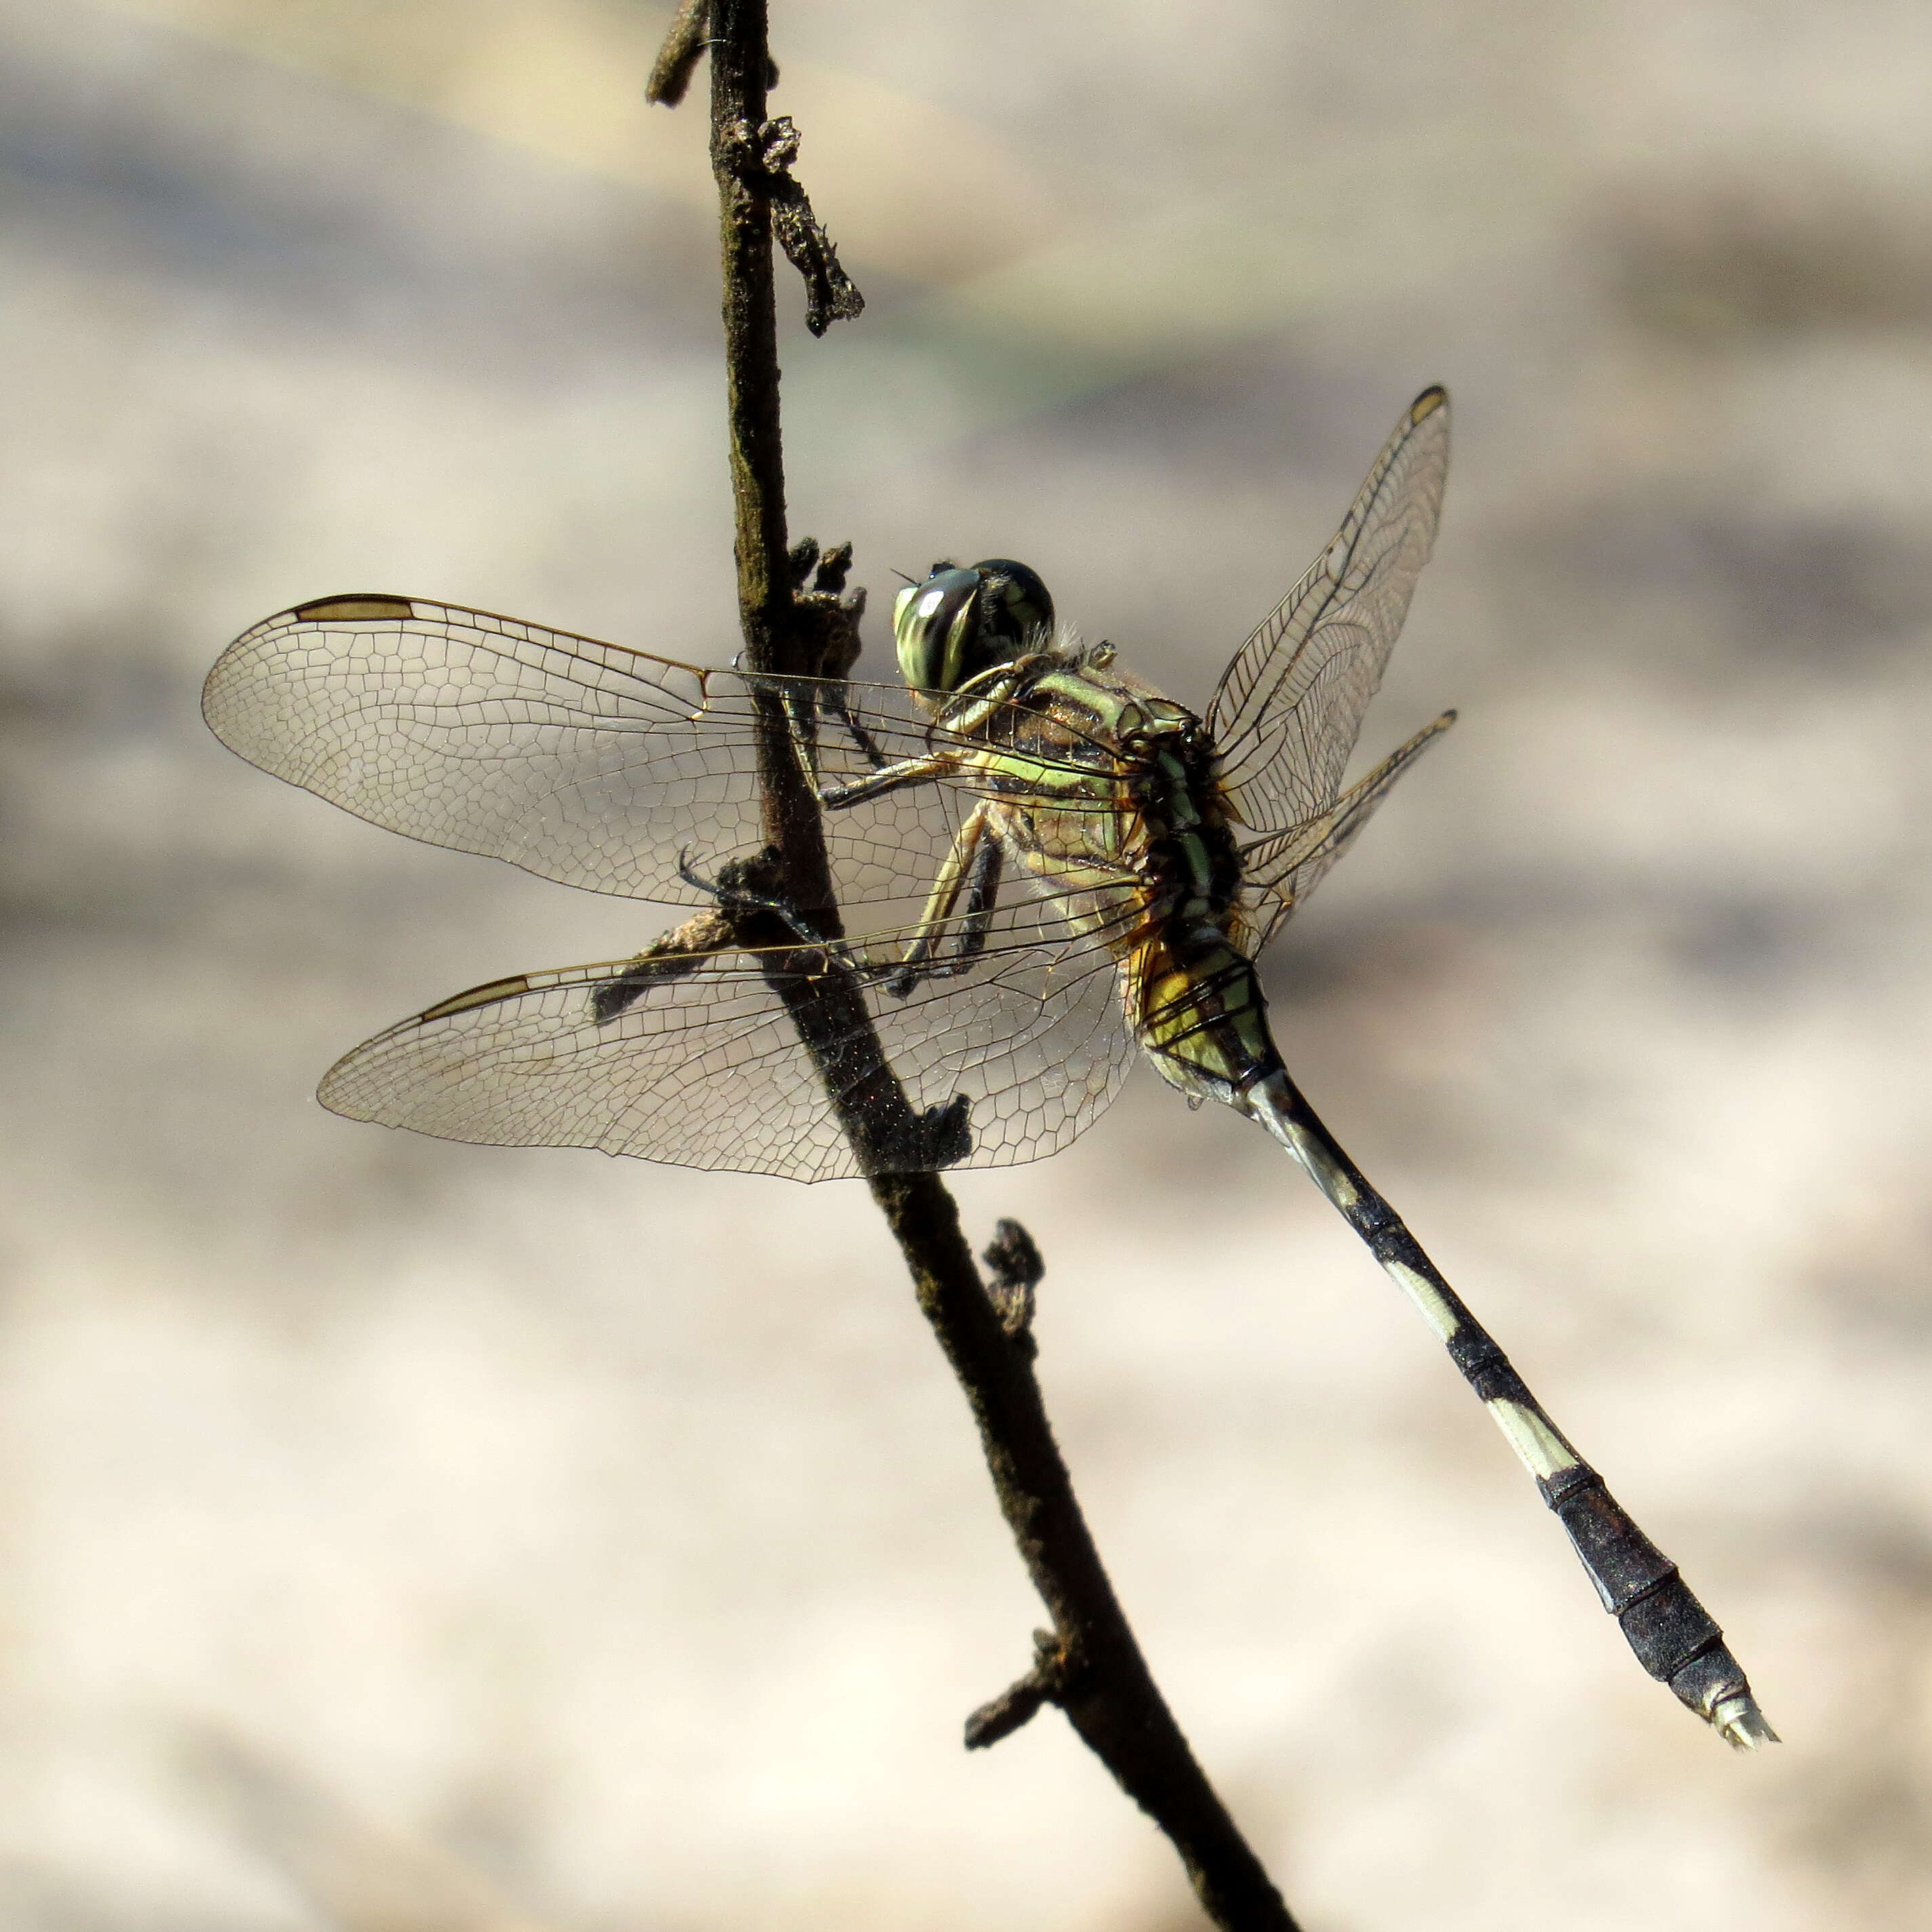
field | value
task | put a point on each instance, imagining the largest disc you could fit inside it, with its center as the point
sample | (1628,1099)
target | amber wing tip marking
(489,995)
(1742,1725)
(364,604)
(1435,397)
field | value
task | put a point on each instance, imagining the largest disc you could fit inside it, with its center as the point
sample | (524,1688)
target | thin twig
(1089,1663)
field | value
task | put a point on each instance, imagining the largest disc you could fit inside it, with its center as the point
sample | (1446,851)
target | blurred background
(408,1537)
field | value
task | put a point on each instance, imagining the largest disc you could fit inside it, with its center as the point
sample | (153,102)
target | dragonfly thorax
(1188,852)
(961,623)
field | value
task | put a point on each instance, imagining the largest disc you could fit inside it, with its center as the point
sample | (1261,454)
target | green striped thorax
(961,623)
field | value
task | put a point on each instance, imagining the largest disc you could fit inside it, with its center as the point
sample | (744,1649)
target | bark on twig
(1089,1663)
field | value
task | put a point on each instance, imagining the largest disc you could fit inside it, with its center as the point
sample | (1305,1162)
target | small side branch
(1014,1262)
(1019,1703)
(677,58)
(763,154)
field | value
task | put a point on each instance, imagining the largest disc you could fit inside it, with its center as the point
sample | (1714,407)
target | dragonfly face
(959,624)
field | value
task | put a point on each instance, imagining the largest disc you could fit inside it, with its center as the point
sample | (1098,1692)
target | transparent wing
(1288,708)
(1280,869)
(582,762)
(698,1061)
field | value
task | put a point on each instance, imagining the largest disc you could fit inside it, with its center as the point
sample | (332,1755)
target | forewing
(1289,707)
(580,761)
(704,1067)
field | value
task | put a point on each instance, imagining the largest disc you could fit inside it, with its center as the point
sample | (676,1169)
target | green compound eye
(931,622)
(959,622)
(1018,607)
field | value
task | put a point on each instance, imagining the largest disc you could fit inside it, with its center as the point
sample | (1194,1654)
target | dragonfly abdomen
(1195,1003)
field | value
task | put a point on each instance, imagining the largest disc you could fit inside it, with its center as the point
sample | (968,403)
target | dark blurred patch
(1443,947)
(1779,253)
(21,711)
(349,216)
(1815,590)
(1383,1019)
(1747,942)
(1892,1552)
(1236,418)
(174,959)
(1392,956)
(95,734)
(1711,582)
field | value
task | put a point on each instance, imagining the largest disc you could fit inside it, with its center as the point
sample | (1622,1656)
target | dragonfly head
(959,623)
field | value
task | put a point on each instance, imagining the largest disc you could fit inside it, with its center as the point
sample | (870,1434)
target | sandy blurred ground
(396,1535)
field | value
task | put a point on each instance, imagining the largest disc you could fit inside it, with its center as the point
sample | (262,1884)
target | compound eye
(932,623)
(1018,611)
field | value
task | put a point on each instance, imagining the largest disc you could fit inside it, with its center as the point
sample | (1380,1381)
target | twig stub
(827,615)
(762,158)
(1020,1701)
(1014,1262)
(677,58)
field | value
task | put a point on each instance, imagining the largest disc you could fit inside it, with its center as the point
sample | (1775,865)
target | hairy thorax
(1140,806)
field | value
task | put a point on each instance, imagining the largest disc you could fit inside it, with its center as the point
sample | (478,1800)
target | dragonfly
(1054,871)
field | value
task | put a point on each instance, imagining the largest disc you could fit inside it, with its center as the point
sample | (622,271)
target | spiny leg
(804,701)
(836,702)
(737,894)
(890,778)
(804,708)
(973,864)
(1675,1639)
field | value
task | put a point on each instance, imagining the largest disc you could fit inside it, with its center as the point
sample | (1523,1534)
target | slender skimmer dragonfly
(1055,869)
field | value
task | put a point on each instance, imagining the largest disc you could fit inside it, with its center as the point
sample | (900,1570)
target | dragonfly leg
(890,778)
(829,701)
(837,705)
(973,866)
(1675,1638)
(735,894)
